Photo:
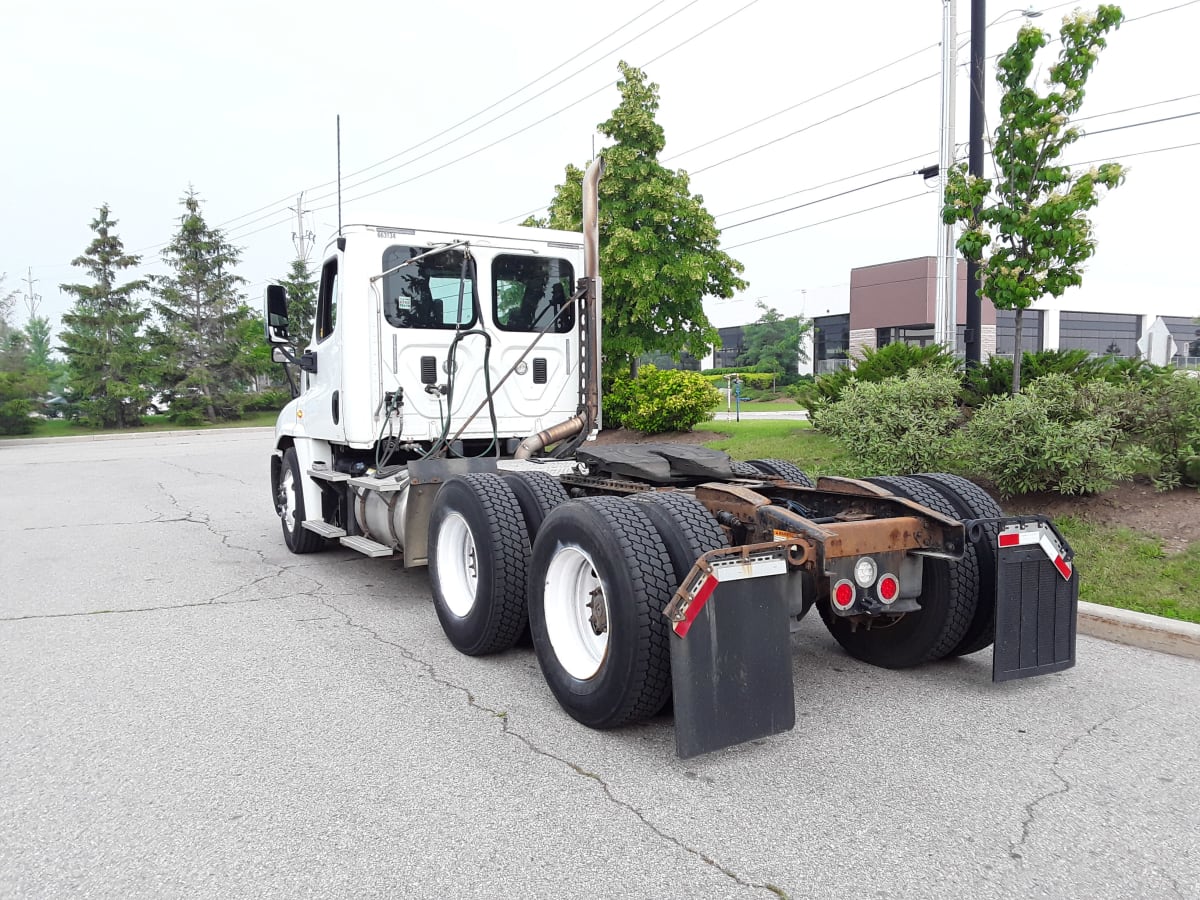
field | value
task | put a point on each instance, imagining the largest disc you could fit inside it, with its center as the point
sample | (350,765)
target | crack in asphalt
(1015,847)
(200,474)
(140,609)
(507,730)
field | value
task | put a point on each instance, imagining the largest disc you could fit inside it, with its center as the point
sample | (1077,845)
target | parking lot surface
(188,709)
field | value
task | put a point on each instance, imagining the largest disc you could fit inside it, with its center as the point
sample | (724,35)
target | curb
(136,436)
(1124,626)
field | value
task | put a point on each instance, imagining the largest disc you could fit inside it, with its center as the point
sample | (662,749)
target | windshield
(426,293)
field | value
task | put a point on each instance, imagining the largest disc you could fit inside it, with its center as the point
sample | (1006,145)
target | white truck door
(322,398)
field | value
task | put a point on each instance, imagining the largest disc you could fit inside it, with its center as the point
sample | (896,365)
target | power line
(1124,156)
(492,106)
(817,187)
(801,103)
(818,200)
(1140,124)
(812,125)
(525,102)
(856,212)
(1133,108)
(541,120)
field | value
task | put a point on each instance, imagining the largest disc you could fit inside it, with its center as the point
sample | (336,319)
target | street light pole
(946,307)
(975,167)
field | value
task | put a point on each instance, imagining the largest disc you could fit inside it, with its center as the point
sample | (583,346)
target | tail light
(843,594)
(888,588)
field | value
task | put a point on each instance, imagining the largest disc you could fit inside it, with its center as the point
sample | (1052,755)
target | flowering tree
(1028,228)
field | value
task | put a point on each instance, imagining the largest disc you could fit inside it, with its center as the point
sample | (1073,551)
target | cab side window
(327,300)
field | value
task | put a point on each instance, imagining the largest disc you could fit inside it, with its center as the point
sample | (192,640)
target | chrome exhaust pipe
(590,339)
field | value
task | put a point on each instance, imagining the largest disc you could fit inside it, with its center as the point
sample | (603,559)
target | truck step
(328,475)
(324,529)
(365,546)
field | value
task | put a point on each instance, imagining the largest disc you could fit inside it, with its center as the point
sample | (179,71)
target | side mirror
(279,355)
(276,314)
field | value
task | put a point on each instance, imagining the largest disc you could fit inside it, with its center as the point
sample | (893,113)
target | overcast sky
(129,103)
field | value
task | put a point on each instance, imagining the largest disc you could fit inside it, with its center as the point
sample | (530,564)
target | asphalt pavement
(186,709)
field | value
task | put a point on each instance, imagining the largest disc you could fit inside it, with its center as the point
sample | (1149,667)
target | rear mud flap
(1037,600)
(732,670)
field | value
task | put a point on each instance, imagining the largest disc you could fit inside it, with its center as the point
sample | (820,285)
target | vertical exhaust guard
(588,419)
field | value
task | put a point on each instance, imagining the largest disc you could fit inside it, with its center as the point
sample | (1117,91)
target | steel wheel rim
(287,500)
(571,593)
(458,565)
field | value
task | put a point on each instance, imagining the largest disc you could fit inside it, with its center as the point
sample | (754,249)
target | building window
(831,338)
(1101,334)
(1006,331)
(917,335)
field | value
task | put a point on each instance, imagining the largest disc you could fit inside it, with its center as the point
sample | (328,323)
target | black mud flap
(731,671)
(1037,600)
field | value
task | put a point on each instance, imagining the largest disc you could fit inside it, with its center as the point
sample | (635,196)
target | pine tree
(302,302)
(659,251)
(198,306)
(108,363)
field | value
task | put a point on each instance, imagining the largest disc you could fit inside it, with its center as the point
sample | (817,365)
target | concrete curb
(135,436)
(1124,626)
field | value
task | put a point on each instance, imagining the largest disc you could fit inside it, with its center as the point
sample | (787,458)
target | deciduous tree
(1028,227)
(659,246)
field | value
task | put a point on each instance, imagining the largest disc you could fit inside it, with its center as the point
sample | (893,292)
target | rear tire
(782,469)
(972,502)
(478,557)
(599,580)
(289,504)
(948,600)
(537,494)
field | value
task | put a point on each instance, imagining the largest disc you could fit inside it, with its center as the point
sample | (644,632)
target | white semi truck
(448,395)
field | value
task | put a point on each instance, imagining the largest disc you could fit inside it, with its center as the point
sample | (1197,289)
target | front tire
(289,504)
(478,556)
(599,580)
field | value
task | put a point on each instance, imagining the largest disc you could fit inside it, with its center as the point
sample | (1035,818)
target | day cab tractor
(446,416)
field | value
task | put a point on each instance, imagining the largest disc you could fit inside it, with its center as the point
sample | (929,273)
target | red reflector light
(1010,539)
(889,588)
(843,595)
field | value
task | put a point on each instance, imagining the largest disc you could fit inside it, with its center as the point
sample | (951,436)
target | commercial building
(895,302)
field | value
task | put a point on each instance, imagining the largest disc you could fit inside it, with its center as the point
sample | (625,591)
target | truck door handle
(336,407)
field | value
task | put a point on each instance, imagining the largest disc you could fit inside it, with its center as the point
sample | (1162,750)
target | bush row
(1072,433)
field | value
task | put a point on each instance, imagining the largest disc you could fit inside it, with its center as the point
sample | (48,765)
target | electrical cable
(818,200)
(826,221)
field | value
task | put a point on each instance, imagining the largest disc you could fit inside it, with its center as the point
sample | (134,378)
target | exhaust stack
(588,418)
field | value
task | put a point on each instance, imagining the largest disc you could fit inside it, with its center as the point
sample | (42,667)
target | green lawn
(49,428)
(766,406)
(796,442)
(1130,570)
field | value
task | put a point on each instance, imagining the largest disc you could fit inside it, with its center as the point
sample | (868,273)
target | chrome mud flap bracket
(731,661)
(1037,598)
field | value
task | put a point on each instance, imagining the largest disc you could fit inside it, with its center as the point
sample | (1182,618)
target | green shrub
(1056,435)
(270,400)
(994,377)
(660,400)
(888,361)
(897,425)
(1162,416)
(15,418)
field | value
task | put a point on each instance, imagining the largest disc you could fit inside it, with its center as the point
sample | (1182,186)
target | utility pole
(32,301)
(975,167)
(945,331)
(301,238)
